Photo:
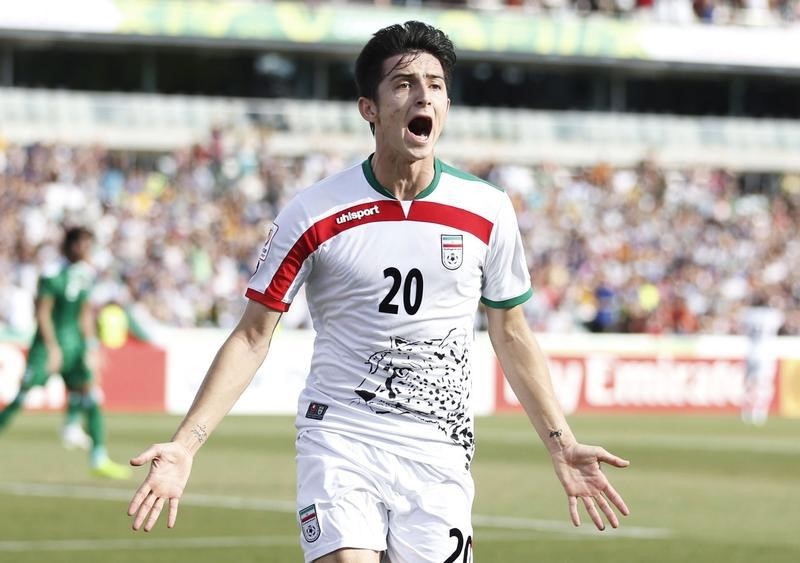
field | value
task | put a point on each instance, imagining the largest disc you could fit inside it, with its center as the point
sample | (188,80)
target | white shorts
(352,494)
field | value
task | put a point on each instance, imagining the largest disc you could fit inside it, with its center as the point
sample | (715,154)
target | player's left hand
(578,469)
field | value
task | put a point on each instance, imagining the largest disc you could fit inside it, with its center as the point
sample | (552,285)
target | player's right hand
(171,464)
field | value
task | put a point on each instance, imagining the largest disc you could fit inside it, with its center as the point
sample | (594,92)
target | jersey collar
(366,167)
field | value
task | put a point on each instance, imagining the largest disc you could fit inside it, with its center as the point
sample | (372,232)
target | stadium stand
(670,251)
(659,221)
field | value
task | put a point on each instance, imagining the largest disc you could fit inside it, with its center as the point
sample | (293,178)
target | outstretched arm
(230,373)
(577,465)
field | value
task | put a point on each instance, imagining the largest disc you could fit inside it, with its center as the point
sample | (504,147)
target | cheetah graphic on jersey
(426,379)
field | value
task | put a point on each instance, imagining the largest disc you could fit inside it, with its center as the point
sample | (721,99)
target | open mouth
(421,127)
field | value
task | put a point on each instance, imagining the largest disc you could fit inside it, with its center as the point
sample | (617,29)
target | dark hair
(411,37)
(73,235)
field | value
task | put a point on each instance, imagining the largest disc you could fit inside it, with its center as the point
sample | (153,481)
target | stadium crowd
(611,250)
(727,12)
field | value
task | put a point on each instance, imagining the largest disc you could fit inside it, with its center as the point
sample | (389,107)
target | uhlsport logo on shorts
(452,251)
(309,523)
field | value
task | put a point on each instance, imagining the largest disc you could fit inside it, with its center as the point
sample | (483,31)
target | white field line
(563,527)
(743,444)
(240,503)
(147,543)
(100,493)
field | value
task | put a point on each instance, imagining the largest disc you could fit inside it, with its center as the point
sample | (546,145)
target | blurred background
(651,149)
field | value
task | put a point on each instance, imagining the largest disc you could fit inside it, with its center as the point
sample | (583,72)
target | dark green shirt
(69,288)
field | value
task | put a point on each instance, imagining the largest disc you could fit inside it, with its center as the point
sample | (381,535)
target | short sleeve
(285,260)
(47,286)
(506,279)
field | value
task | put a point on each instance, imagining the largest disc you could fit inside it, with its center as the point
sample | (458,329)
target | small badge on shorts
(316,411)
(309,523)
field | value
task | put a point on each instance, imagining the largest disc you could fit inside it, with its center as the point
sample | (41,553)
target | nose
(424,97)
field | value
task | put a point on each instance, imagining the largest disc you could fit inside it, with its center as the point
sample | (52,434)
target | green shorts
(74,370)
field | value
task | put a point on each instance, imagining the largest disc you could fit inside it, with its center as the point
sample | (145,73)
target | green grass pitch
(704,489)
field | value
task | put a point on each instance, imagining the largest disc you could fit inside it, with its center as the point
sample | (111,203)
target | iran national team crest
(452,251)
(309,523)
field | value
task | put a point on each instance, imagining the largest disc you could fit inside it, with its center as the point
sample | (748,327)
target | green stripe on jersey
(453,171)
(508,303)
(369,174)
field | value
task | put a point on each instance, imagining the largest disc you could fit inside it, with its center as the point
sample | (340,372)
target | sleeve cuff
(266,300)
(508,303)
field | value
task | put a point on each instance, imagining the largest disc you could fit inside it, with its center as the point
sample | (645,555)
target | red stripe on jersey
(323,230)
(461,219)
(373,212)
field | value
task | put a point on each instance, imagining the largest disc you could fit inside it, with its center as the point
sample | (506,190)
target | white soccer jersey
(393,288)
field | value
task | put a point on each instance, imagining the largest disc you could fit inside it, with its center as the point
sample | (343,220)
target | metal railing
(160,122)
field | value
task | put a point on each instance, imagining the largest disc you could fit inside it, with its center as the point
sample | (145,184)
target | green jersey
(69,288)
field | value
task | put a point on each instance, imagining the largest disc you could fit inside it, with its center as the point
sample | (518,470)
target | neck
(404,179)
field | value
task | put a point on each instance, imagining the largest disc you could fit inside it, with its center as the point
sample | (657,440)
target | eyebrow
(410,75)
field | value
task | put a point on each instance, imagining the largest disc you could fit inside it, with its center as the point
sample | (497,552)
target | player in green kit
(65,343)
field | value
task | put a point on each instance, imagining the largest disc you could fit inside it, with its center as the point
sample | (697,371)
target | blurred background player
(760,323)
(65,342)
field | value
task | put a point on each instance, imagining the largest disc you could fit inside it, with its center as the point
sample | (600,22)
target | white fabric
(352,494)
(393,297)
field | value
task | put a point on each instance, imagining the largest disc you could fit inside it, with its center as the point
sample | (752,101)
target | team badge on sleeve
(273,228)
(309,523)
(452,251)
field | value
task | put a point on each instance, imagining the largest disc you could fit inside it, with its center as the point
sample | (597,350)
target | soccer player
(760,322)
(395,254)
(65,342)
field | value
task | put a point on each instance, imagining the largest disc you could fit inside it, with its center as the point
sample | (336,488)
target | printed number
(466,546)
(72,289)
(411,303)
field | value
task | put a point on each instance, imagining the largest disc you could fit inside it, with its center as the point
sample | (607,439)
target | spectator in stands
(195,214)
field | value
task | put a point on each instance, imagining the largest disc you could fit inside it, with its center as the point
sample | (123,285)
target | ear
(368,109)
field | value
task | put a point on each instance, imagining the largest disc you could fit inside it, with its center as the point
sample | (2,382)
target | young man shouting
(396,254)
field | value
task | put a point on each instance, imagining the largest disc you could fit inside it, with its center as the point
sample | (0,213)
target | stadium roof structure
(506,34)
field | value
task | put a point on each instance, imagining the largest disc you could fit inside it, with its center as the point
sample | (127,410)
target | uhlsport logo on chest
(357,214)
(452,251)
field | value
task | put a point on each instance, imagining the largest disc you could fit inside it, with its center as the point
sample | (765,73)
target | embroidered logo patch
(316,411)
(270,234)
(452,251)
(267,243)
(309,523)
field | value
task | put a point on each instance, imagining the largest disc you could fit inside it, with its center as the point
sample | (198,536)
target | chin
(420,152)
